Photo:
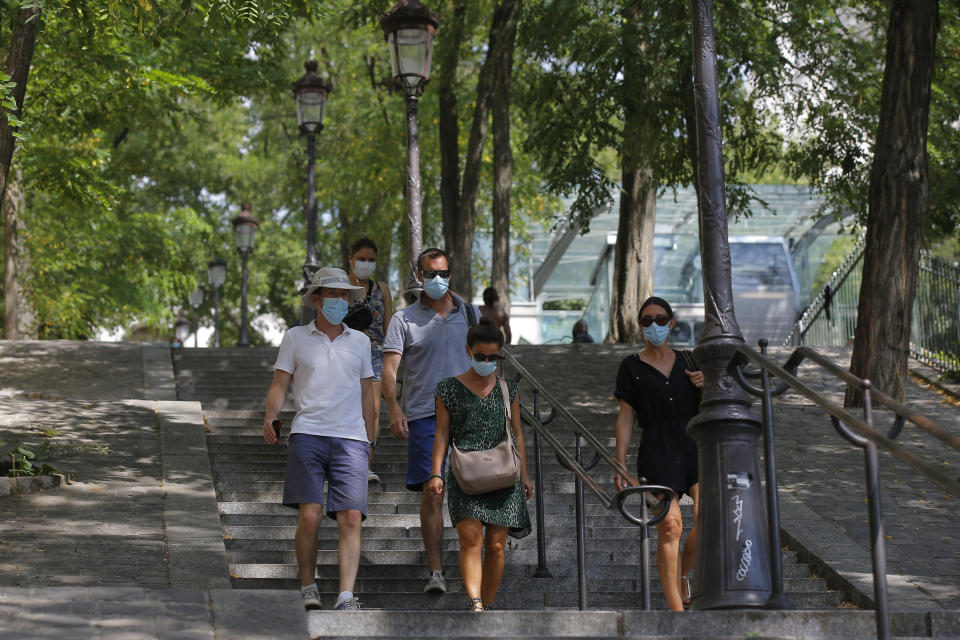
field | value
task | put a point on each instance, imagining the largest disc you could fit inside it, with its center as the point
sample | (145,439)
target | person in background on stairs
(491,309)
(471,414)
(363,262)
(332,432)
(659,389)
(428,338)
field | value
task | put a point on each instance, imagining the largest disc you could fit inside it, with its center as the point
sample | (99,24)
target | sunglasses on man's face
(482,357)
(646,321)
(430,274)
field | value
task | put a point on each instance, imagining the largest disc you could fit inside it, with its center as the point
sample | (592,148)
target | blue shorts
(420,452)
(342,463)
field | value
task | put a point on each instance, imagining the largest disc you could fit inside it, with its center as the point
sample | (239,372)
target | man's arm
(275,397)
(506,328)
(398,422)
(369,417)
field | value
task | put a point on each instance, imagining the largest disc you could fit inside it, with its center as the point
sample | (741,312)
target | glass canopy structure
(776,248)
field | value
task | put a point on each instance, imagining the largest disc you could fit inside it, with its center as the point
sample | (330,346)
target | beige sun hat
(332,278)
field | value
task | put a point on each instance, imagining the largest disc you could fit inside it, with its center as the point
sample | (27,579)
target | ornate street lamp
(732,516)
(409,28)
(311,93)
(216,276)
(196,299)
(181,329)
(244,231)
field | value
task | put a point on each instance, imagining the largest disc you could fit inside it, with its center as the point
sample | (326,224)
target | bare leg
(431,524)
(668,555)
(494,542)
(471,566)
(376,412)
(305,541)
(348,547)
(689,556)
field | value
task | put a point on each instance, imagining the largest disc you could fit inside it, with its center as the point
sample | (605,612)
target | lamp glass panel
(410,55)
(217,275)
(182,330)
(244,235)
(196,298)
(310,109)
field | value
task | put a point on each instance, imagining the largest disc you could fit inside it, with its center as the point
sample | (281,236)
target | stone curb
(931,376)
(30,484)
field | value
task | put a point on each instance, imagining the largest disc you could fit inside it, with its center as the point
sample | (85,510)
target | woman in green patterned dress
(471,412)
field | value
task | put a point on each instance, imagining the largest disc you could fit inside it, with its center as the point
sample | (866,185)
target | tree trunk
(502,154)
(18,319)
(899,196)
(633,258)
(17,66)
(449,127)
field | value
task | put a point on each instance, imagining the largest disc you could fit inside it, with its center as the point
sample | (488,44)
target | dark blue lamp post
(244,231)
(216,276)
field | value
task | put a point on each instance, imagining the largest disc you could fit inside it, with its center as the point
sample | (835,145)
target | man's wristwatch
(373,444)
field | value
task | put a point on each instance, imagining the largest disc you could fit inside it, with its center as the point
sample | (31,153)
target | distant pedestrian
(332,432)
(428,338)
(658,390)
(491,308)
(580,331)
(471,414)
(363,264)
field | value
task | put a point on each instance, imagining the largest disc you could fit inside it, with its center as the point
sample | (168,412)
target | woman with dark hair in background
(471,414)
(363,264)
(658,389)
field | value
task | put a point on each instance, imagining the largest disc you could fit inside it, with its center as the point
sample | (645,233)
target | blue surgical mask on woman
(483,368)
(656,334)
(436,287)
(334,309)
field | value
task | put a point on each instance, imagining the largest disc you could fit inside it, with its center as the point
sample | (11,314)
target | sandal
(476,605)
(685,594)
(487,606)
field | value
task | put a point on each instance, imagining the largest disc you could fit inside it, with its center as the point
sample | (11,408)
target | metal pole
(732,548)
(308,313)
(413,183)
(778,599)
(244,342)
(196,327)
(542,570)
(645,550)
(216,317)
(878,550)
(581,538)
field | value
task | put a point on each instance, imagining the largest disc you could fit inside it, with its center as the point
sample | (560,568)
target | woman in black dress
(659,391)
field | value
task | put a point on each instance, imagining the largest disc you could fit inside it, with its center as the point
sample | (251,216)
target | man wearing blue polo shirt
(332,433)
(428,337)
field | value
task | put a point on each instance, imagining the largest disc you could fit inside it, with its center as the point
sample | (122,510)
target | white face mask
(364,270)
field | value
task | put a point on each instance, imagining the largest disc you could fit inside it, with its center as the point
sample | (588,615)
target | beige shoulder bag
(489,469)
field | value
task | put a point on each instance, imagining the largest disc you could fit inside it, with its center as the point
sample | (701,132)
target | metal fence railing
(831,319)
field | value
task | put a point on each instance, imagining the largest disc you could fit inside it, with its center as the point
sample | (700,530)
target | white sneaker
(372,477)
(311,597)
(350,604)
(437,582)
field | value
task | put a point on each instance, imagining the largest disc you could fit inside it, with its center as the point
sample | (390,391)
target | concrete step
(695,625)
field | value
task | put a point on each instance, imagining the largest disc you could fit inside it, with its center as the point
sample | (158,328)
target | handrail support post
(542,570)
(581,536)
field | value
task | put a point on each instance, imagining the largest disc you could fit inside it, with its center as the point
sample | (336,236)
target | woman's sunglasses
(482,357)
(646,321)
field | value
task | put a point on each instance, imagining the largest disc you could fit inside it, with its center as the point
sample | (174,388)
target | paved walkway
(821,476)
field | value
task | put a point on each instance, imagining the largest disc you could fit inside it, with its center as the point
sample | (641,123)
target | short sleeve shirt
(326,380)
(433,348)
(664,405)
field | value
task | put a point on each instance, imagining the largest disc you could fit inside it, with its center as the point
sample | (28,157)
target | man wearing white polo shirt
(332,432)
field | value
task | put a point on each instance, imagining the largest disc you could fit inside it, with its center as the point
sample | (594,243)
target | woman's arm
(624,430)
(440,442)
(387,306)
(515,422)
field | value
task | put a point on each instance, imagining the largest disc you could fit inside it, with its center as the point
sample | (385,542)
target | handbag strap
(688,356)
(506,403)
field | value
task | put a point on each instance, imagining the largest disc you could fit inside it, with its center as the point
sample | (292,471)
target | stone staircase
(258,531)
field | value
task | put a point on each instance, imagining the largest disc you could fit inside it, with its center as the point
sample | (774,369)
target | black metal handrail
(860,432)
(580,470)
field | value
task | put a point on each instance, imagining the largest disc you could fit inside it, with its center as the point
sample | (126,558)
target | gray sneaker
(350,604)
(372,477)
(311,598)
(437,582)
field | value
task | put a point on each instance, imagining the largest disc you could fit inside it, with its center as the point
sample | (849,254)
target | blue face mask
(483,368)
(334,309)
(436,287)
(655,334)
